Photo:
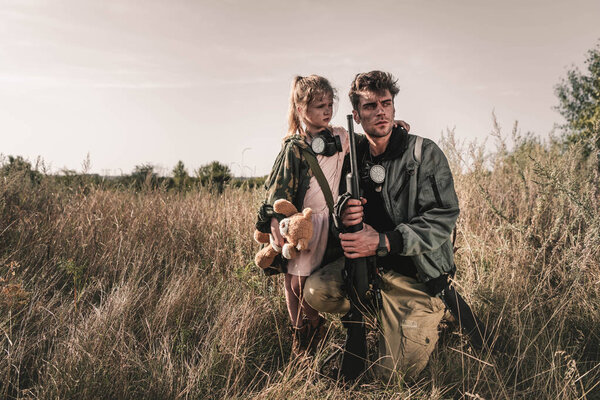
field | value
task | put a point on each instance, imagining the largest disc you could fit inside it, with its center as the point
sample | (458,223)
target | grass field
(118,294)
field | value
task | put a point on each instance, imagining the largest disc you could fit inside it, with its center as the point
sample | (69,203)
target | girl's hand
(277,237)
(403,124)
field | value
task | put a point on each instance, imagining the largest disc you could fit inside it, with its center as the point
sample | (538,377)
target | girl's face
(318,114)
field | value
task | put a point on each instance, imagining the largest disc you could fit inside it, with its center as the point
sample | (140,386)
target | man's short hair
(374,81)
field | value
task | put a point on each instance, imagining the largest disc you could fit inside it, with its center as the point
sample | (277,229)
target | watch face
(382,252)
(318,145)
(377,173)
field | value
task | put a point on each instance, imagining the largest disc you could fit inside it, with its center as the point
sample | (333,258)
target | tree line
(214,175)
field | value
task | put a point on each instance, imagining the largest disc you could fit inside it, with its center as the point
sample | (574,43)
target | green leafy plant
(77,274)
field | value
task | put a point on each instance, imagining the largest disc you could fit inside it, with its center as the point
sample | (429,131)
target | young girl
(310,111)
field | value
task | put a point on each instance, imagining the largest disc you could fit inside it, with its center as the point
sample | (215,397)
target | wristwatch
(382,249)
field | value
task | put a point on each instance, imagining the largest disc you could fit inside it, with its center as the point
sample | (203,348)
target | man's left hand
(359,244)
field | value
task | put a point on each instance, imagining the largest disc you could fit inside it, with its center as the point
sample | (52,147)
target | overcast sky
(135,82)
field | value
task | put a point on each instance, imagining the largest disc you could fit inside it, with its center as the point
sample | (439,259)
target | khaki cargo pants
(408,320)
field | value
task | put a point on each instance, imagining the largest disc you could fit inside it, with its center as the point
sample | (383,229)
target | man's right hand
(276,233)
(353,213)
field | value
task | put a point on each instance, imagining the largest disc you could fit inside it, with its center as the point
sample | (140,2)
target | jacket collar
(395,148)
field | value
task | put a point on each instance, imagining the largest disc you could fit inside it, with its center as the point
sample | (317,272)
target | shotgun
(356,276)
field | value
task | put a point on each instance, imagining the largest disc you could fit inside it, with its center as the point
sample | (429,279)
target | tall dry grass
(116,294)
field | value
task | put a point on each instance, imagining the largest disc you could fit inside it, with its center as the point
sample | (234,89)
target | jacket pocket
(436,191)
(407,174)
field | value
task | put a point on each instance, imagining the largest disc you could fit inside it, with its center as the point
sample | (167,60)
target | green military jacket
(421,200)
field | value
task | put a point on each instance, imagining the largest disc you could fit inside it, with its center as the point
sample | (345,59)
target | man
(409,211)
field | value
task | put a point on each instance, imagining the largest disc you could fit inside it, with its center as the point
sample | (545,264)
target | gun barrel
(353,162)
(352,180)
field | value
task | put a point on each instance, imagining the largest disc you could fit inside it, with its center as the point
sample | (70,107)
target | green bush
(579,103)
(214,175)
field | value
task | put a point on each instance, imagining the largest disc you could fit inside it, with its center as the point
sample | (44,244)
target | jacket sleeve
(282,183)
(436,205)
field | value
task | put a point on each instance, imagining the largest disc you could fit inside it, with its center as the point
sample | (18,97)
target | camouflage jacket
(289,179)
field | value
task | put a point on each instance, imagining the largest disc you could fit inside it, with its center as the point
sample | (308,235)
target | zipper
(407,176)
(436,192)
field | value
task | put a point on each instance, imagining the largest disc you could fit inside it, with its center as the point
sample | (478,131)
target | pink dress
(307,261)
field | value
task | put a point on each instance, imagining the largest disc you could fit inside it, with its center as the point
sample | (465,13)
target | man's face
(375,113)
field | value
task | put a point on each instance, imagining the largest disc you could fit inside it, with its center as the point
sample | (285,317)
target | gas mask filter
(373,175)
(326,144)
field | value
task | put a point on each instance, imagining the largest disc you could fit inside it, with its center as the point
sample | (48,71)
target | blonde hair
(304,90)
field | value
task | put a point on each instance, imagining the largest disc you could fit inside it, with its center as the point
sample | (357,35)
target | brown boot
(317,334)
(300,339)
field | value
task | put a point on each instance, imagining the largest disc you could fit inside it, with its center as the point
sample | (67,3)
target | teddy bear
(296,229)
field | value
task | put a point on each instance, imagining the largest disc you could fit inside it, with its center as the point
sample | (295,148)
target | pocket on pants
(418,344)
(418,335)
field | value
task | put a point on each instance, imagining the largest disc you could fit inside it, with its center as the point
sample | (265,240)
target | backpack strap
(418,149)
(318,172)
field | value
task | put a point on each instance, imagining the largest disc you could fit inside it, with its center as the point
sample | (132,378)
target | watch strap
(382,249)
